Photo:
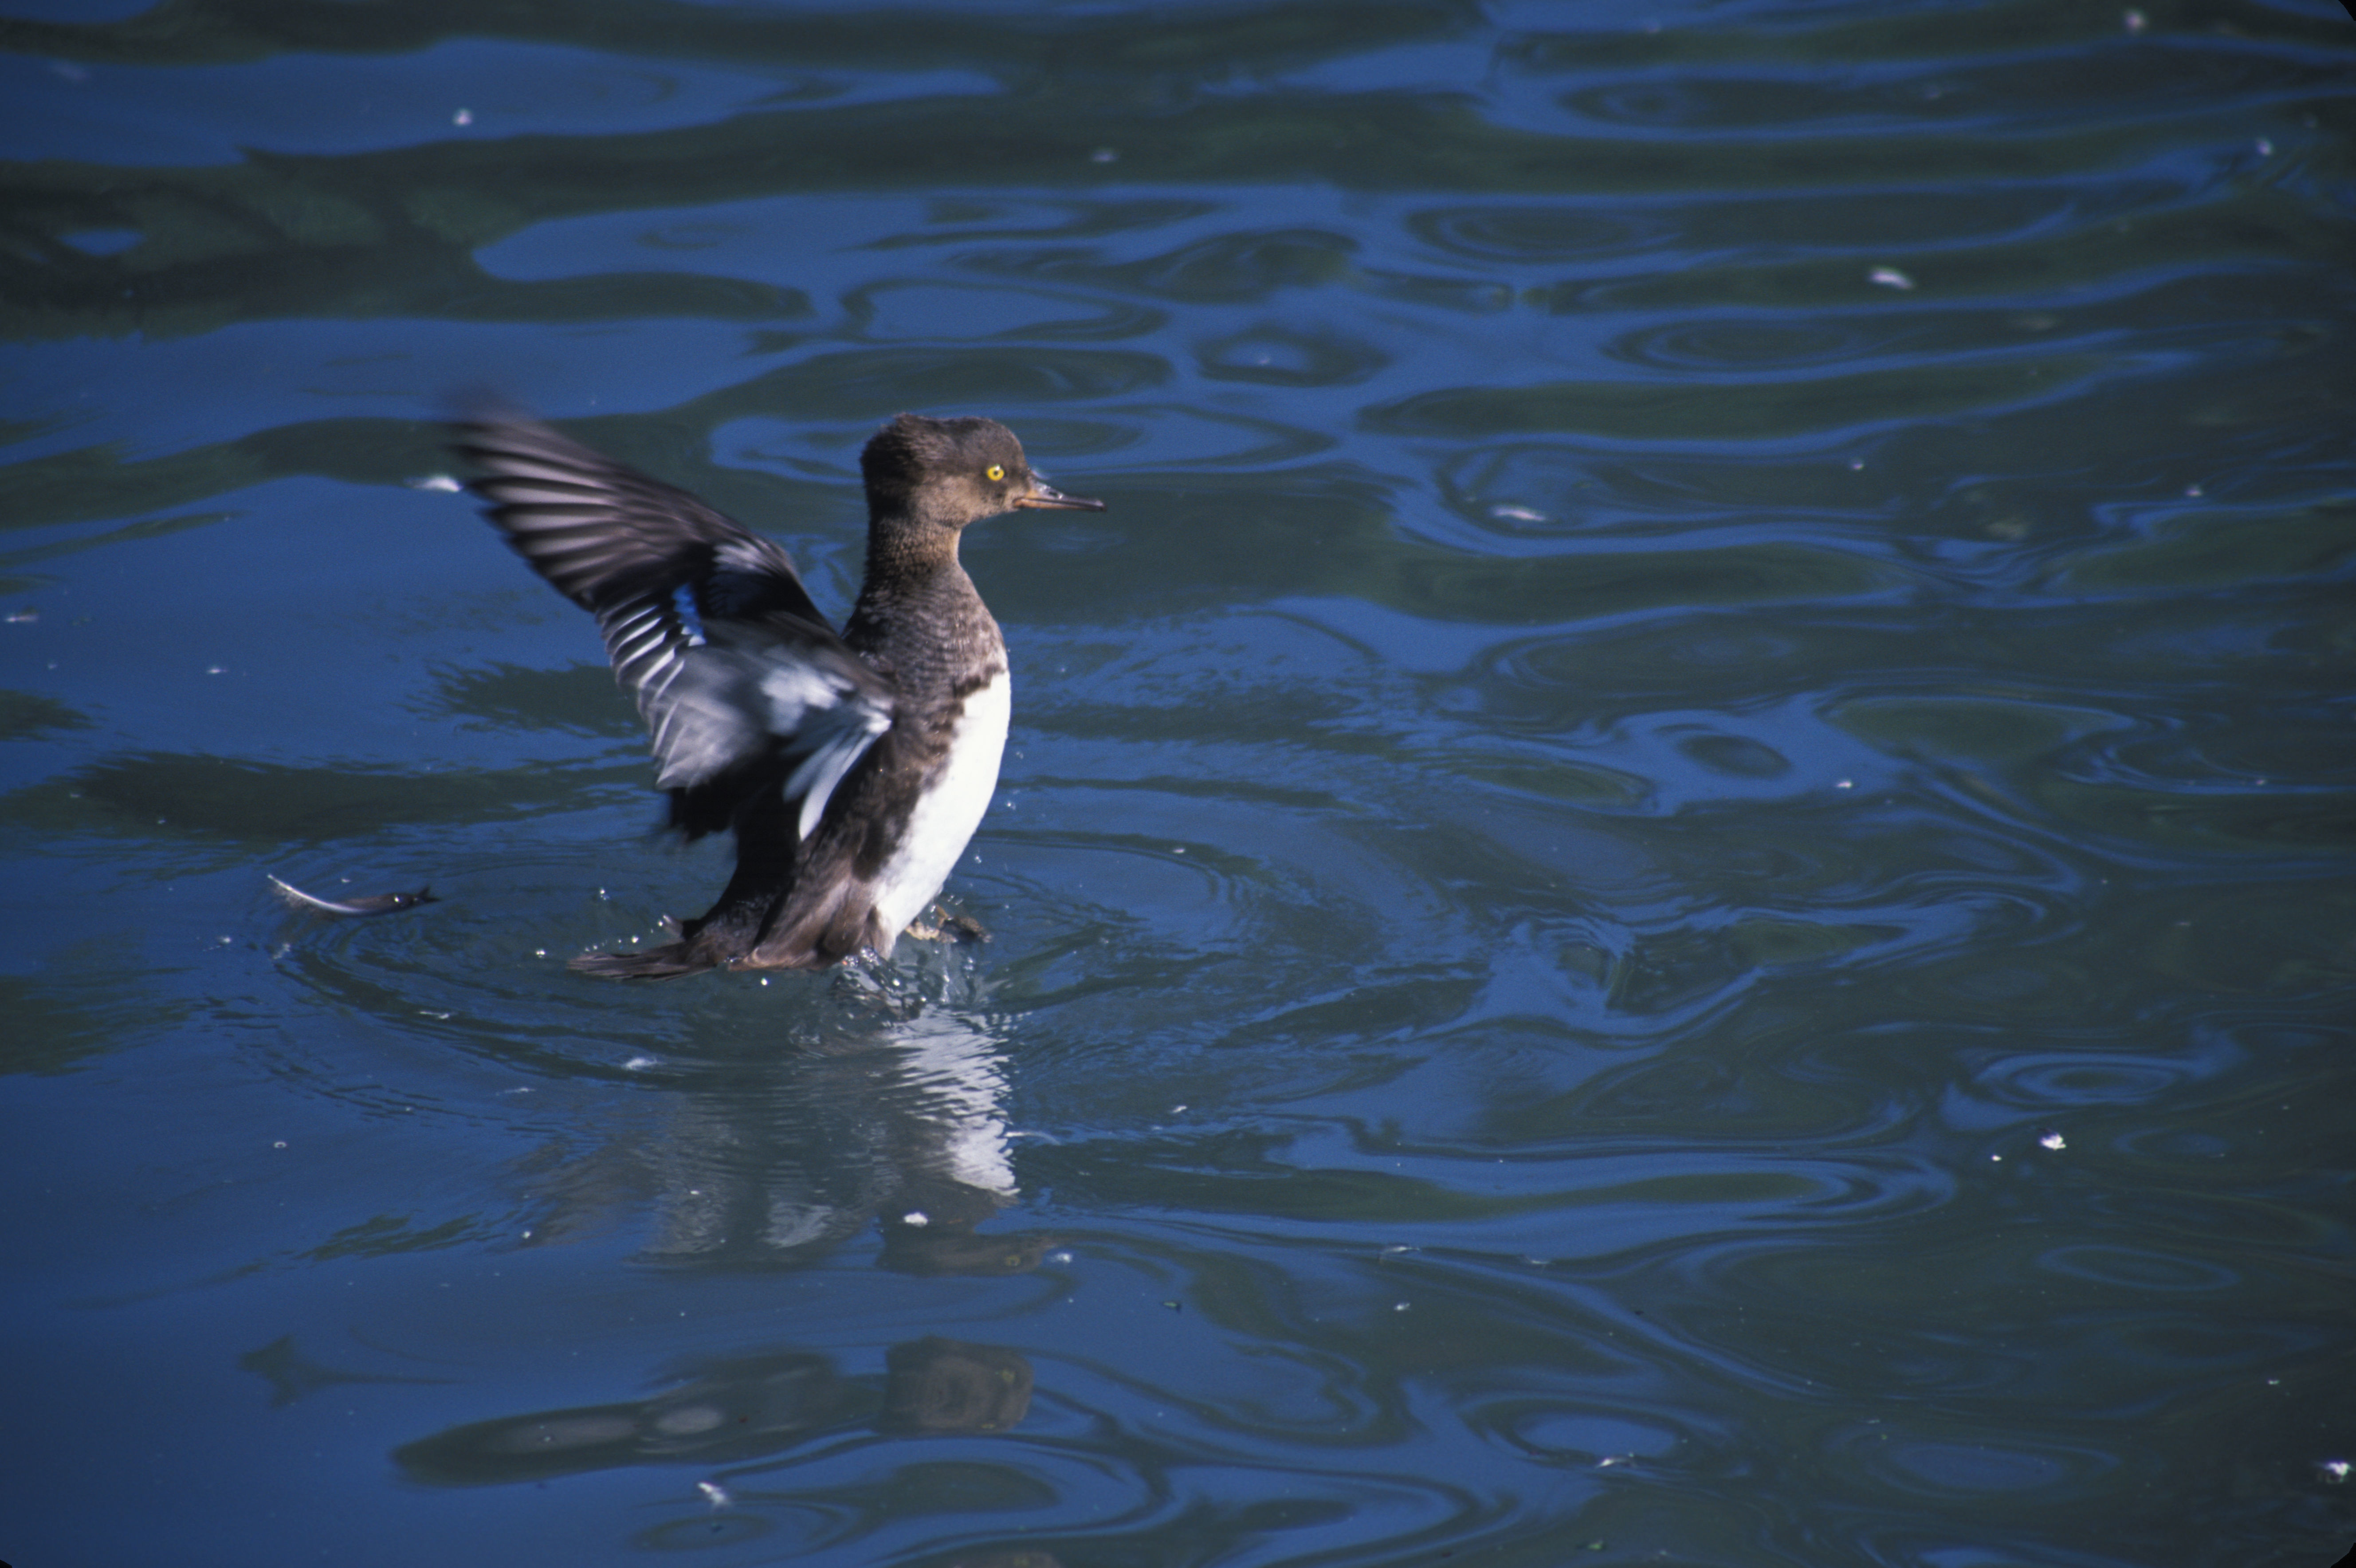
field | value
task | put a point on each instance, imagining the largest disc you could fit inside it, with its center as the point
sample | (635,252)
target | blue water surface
(1672,884)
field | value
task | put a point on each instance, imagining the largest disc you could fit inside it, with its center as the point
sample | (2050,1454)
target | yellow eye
(994,473)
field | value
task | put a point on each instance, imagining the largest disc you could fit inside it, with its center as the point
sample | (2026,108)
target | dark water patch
(1921,34)
(1531,233)
(1955,1467)
(919,309)
(96,482)
(1728,414)
(1742,345)
(2145,76)
(582,700)
(2213,550)
(1276,32)
(25,715)
(61,1027)
(1230,269)
(2137,1271)
(177,798)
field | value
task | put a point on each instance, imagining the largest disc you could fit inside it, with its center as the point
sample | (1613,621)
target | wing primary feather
(737,677)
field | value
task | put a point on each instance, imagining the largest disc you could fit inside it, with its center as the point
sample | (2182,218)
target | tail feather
(667,962)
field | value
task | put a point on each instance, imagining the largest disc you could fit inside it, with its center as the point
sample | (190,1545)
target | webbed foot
(958,927)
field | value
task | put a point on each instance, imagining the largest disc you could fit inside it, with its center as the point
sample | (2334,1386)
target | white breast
(945,819)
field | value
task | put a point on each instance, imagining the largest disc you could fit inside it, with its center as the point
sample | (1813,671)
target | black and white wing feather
(739,679)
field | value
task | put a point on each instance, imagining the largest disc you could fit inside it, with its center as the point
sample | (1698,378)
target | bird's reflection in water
(894,1117)
(769,1155)
(737,1409)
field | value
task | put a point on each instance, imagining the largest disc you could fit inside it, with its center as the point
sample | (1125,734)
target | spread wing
(740,680)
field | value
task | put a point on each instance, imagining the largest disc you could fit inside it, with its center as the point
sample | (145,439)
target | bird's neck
(917,605)
(905,547)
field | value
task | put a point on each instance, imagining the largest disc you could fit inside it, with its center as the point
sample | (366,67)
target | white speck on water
(540,953)
(1400,1307)
(1397,1247)
(279,1145)
(1998,1159)
(1517,514)
(1844,783)
(1177,1110)
(2266,148)
(2054,1141)
(1890,277)
(215,670)
(23,617)
(463,117)
(429,1013)
(1059,1257)
(2134,20)
(638,1064)
(2334,1470)
(917,1218)
(713,1493)
(1857,465)
(764,980)
(435,482)
(1177,849)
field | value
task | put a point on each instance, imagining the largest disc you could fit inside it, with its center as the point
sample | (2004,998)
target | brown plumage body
(851,769)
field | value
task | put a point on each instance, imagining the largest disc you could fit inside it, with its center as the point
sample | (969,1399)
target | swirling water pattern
(1672,884)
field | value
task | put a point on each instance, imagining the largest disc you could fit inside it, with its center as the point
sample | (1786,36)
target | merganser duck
(853,768)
